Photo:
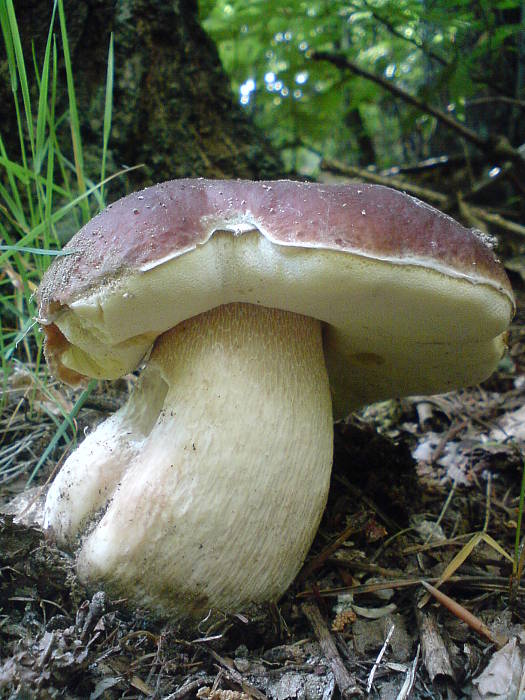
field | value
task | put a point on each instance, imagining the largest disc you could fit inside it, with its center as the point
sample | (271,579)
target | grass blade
(66,423)
(73,113)
(41,118)
(108,109)
(20,64)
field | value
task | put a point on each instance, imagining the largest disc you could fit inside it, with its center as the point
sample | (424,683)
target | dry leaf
(501,679)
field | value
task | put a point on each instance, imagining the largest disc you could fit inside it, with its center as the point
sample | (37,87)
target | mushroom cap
(411,301)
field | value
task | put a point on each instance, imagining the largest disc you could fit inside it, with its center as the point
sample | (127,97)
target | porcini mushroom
(268,309)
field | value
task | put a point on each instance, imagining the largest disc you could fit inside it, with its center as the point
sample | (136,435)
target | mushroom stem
(219,506)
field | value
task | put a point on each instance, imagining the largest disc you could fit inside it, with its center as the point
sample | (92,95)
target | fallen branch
(435,654)
(463,614)
(372,673)
(498,220)
(344,680)
(318,561)
(428,195)
(431,196)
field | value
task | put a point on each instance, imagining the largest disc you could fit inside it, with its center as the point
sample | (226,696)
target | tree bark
(173,109)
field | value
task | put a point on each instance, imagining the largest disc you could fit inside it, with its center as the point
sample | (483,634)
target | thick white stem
(219,505)
(91,474)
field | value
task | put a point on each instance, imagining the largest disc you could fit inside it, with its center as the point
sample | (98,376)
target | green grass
(519,548)
(41,184)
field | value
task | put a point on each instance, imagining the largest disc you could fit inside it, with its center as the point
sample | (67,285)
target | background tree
(172,106)
(465,59)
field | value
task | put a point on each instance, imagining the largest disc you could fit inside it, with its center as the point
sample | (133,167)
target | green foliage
(443,52)
(45,195)
(43,184)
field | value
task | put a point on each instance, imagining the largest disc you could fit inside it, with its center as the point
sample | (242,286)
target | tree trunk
(173,109)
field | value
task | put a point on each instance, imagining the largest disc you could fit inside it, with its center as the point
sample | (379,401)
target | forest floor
(421,488)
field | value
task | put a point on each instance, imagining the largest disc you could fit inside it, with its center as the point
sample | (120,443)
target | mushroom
(265,310)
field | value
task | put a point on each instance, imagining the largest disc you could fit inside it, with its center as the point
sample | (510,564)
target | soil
(422,489)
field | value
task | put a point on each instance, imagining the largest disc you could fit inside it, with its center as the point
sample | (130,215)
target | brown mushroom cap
(411,301)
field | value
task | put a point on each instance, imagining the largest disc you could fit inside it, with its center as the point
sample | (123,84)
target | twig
(497,584)
(497,98)
(463,614)
(344,680)
(352,171)
(378,660)
(436,198)
(232,674)
(96,609)
(498,220)
(496,146)
(418,44)
(189,688)
(435,654)
(451,433)
(344,63)
(318,561)
(345,560)
(407,686)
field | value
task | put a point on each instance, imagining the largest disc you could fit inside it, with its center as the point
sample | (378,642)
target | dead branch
(435,653)
(498,98)
(497,220)
(428,195)
(345,682)
(395,32)
(463,614)
(497,146)
(436,198)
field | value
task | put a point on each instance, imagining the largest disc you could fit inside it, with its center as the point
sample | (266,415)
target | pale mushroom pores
(265,310)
